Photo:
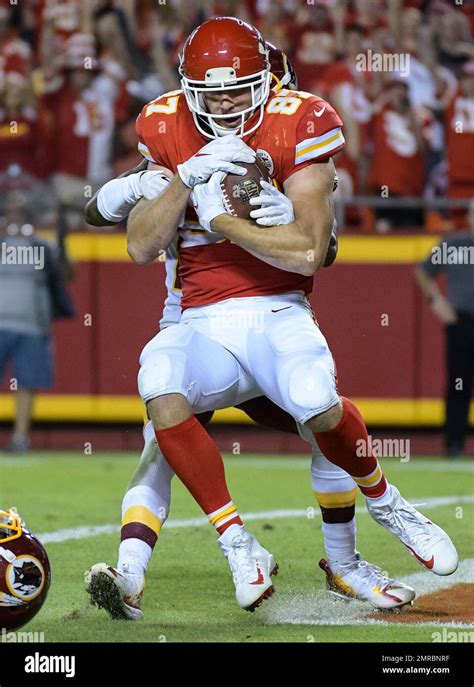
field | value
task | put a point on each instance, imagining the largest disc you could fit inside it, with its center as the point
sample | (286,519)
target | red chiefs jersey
(459,129)
(398,161)
(298,129)
(82,127)
(19,143)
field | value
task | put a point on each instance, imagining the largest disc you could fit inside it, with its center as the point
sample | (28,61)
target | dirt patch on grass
(452,605)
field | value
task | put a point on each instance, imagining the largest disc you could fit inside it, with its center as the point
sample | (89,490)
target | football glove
(207,200)
(218,155)
(275,209)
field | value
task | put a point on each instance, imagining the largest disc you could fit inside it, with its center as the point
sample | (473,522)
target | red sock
(342,446)
(194,457)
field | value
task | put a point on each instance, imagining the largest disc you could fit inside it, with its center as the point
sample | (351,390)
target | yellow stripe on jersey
(142,515)
(320,145)
(144,150)
(341,499)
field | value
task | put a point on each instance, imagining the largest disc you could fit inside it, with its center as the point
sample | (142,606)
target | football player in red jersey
(146,503)
(205,361)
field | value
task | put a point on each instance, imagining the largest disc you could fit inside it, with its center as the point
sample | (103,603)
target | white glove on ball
(275,209)
(218,155)
(207,200)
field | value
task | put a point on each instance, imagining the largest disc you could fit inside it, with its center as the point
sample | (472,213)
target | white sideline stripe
(392,464)
(319,609)
(73,533)
(298,462)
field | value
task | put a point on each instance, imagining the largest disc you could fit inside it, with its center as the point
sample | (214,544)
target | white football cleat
(427,542)
(117,592)
(364,581)
(251,566)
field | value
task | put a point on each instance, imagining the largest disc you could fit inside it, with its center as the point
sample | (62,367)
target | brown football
(238,190)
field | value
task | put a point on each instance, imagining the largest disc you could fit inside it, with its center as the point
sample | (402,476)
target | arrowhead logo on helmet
(225,54)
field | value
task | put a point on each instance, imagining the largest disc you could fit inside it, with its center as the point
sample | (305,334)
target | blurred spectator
(88,64)
(453,38)
(398,167)
(454,257)
(32,292)
(459,133)
(348,89)
(80,101)
(20,135)
(15,53)
(315,46)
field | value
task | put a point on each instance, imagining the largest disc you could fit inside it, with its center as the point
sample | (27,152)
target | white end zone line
(321,609)
(88,531)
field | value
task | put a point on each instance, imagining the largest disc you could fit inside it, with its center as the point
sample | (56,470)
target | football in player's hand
(238,190)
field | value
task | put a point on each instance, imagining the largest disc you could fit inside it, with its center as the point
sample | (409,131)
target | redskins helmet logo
(25,577)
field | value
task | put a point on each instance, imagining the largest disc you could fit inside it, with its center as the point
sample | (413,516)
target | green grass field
(189,594)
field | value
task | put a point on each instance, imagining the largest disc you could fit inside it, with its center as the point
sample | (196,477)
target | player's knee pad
(309,384)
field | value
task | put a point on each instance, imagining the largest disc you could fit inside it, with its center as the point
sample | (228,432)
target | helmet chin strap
(281,82)
(8,555)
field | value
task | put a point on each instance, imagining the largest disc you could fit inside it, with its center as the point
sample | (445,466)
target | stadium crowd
(74,74)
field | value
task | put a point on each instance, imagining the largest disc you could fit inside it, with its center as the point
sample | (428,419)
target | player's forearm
(428,286)
(93,216)
(285,246)
(152,224)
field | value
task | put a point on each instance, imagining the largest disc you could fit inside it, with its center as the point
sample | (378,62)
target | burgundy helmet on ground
(281,67)
(25,574)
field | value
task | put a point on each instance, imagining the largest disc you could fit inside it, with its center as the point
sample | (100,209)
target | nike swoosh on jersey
(320,113)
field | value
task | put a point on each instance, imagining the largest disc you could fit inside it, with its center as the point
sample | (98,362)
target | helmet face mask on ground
(25,573)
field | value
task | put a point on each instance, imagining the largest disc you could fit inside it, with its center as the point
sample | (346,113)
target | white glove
(117,197)
(207,200)
(276,207)
(218,155)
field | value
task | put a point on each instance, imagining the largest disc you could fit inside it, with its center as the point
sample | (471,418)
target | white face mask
(224,78)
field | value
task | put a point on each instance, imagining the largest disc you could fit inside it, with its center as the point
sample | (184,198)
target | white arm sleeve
(118,196)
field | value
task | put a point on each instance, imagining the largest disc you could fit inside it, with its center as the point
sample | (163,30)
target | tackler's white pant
(224,353)
(181,360)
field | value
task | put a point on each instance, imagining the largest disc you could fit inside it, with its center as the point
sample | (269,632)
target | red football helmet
(224,53)
(281,67)
(25,574)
